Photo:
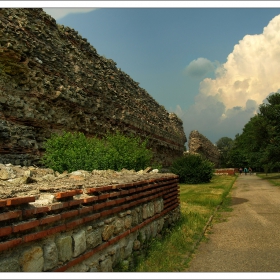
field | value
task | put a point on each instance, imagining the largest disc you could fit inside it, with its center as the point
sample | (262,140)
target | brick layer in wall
(21,223)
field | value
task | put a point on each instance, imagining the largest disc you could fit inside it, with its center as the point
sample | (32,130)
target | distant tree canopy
(258,145)
(224,145)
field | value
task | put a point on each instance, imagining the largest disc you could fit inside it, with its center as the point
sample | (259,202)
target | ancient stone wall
(199,144)
(52,79)
(82,221)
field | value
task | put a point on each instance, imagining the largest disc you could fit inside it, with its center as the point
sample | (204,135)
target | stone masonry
(199,144)
(82,221)
(52,79)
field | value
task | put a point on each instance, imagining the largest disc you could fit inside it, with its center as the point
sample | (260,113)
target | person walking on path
(240,171)
(250,170)
(245,170)
(247,239)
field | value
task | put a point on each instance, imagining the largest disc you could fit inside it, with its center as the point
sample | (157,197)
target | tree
(270,112)
(258,145)
(224,145)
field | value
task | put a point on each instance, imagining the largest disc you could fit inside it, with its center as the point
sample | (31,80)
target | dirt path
(249,241)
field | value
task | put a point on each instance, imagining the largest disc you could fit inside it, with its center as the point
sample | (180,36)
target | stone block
(108,232)
(127,222)
(135,219)
(6,173)
(142,235)
(79,239)
(81,267)
(157,206)
(160,224)
(129,247)
(93,238)
(145,211)
(153,228)
(106,265)
(9,265)
(119,226)
(32,260)
(136,245)
(50,256)
(161,204)
(151,209)
(64,246)
(116,256)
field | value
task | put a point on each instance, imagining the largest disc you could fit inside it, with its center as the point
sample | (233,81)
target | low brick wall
(92,233)
(226,171)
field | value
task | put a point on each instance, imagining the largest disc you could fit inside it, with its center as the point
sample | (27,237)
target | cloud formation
(58,13)
(199,67)
(225,104)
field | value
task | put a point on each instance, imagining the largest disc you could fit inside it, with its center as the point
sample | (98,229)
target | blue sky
(212,66)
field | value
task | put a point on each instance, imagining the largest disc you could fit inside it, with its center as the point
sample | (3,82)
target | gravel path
(249,239)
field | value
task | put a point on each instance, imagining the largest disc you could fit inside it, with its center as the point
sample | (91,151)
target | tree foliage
(74,151)
(224,145)
(259,144)
(193,169)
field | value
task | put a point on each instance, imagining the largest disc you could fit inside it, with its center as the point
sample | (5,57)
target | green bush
(73,151)
(193,169)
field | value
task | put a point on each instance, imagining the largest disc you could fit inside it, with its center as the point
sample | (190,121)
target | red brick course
(6,231)
(3,203)
(9,244)
(69,214)
(35,210)
(134,194)
(20,200)
(50,219)
(25,226)
(10,215)
(68,194)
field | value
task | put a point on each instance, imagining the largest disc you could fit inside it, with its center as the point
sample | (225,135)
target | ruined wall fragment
(199,144)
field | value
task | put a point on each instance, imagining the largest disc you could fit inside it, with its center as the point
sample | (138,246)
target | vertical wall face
(52,79)
(87,228)
(199,144)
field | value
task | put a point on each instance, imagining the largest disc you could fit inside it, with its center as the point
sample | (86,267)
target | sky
(211,65)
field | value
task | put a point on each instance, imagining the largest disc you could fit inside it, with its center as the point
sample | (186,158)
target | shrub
(73,151)
(128,152)
(193,169)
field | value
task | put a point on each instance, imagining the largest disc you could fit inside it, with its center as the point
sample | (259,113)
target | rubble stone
(53,80)
(32,260)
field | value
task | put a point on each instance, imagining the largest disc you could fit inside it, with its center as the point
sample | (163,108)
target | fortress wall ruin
(199,144)
(86,230)
(52,79)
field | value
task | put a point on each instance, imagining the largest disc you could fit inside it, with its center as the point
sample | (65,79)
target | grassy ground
(173,252)
(273,178)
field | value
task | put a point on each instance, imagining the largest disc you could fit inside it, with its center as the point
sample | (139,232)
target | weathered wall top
(52,79)
(199,144)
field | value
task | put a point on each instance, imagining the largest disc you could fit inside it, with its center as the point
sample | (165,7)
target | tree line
(258,146)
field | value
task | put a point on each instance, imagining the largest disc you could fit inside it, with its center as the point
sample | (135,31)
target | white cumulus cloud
(225,104)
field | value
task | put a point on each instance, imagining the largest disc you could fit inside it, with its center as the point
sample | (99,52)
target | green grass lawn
(273,178)
(172,253)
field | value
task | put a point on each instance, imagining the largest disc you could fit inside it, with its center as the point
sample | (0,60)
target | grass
(273,178)
(172,253)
